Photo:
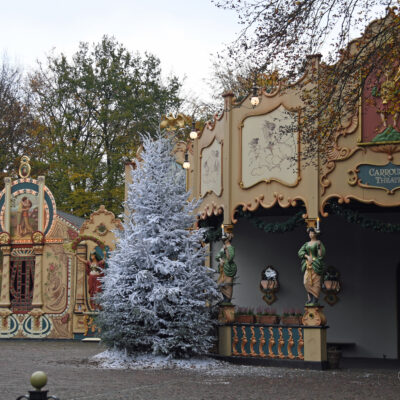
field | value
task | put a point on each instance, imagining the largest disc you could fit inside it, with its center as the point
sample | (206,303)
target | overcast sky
(181,33)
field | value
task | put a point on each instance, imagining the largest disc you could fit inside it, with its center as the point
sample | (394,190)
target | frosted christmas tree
(156,290)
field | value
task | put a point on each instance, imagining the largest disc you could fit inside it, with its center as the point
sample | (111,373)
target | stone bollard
(38,380)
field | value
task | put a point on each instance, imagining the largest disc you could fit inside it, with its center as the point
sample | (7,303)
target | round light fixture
(193,133)
(186,163)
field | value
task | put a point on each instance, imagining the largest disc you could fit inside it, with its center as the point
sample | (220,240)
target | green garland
(274,227)
(214,233)
(354,217)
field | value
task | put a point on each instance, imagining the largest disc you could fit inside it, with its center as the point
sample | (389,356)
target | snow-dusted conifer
(156,290)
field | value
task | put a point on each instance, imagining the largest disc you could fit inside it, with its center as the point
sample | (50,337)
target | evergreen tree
(156,289)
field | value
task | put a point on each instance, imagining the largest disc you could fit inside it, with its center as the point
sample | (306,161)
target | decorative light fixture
(269,284)
(255,101)
(186,163)
(331,285)
(193,133)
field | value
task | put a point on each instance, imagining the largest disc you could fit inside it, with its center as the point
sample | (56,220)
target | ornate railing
(268,341)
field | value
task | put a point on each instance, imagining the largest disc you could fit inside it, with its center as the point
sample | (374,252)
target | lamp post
(38,380)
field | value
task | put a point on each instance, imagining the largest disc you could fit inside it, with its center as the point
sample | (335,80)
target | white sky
(181,33)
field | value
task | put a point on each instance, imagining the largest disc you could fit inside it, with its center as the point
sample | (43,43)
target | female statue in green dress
(312,265)
(227,268)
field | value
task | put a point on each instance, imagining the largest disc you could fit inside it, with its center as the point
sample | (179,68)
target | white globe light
(186,165)
(255,101)
(193,135)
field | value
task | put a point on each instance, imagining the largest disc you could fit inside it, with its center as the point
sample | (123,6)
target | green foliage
(274,227)
(17,125)
(354,217)
(91,110)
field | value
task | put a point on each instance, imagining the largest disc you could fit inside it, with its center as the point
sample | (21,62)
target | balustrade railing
(268,341)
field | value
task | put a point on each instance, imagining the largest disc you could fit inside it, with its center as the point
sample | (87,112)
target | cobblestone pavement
(71,377)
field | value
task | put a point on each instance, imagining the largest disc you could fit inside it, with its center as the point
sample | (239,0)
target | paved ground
(71,377)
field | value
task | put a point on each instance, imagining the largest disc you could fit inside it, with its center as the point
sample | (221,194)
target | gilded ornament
(171,123)
(314,316)
(37,237)
(24,168)
(4,238)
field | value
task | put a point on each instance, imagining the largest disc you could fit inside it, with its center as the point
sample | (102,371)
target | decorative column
(312,171)
(227,159)
(5,241)
(41,204)
(7,211)
(80,306)
(37,298)
(5,280)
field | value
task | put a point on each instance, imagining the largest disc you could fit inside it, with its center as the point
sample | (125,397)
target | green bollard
(38,380)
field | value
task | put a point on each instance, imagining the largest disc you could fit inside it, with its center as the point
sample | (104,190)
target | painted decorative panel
(380,110)
(56,276)
(270,147)
(25,209)
(211,169)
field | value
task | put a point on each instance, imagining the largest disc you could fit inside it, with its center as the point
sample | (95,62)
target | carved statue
(94,270)
(312,265)
(227,268)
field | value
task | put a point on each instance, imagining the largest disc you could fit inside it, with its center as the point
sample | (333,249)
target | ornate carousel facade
(50,261)
(247,168)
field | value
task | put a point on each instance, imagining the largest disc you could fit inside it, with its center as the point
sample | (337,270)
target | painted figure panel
(211,169)
(24,215)
(381,107)
(270,148)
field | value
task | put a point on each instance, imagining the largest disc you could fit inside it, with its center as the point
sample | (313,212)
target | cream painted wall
(367,260)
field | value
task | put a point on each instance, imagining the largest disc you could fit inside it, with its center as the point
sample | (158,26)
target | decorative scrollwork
(388,149)
(353,177)
(337,153)
(212,209)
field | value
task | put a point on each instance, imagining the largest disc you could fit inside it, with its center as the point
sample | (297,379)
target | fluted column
(80,279)
(41,204)
(5,278)
(7,211)
(37,298)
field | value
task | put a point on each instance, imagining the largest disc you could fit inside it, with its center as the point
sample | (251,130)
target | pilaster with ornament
(227,160)
(7,202)
(80,280)
(41,203)
(5,277)
(37,299)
